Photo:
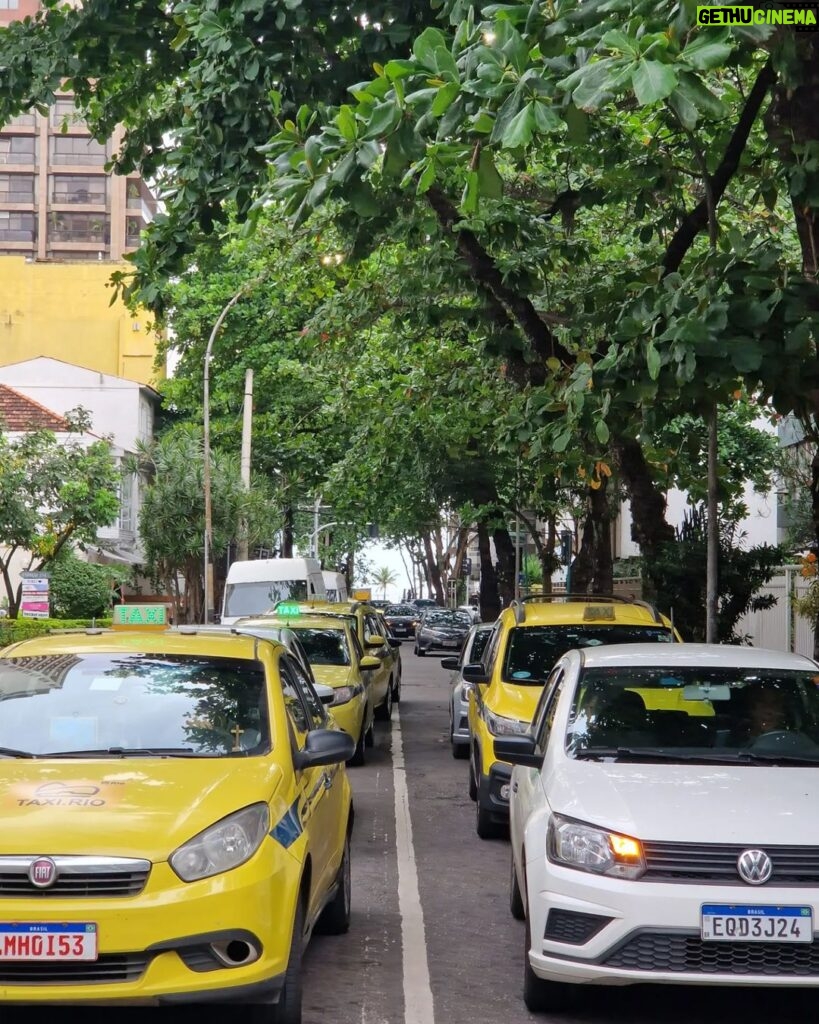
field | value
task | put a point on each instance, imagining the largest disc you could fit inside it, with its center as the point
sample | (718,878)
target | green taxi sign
(288,608)
(135,615)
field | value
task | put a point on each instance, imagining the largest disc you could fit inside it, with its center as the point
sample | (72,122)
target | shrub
(82,590)
(14,630)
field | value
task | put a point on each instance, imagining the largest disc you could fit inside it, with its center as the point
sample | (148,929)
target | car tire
(335,918)
(459,750)
(369,738)
(473,786)
(288,1008)
(384,711)
(420,653)
(396,695)
(359,757)
(516,907)
(545,996)
(485,825)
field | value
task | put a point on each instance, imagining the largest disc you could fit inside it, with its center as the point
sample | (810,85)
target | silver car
(459,695)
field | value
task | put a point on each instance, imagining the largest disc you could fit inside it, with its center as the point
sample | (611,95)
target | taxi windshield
(533,650)
(133,704)
(325,646)
(685,713)
(256,598)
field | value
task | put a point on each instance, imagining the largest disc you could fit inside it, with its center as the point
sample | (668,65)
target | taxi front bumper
(227,936)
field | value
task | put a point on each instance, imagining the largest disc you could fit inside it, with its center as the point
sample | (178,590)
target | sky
(380,555)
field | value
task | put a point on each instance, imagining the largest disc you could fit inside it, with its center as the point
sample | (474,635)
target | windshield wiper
(129,752)
(11,752)
(760,757)
(652,754)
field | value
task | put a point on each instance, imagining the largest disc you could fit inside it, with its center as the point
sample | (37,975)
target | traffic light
(466,567)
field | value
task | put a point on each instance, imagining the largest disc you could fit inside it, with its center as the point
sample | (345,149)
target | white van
(335,583)
(253,588)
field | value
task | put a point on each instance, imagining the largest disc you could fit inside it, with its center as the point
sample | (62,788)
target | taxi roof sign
(288,608)
(363,594)
(141,616)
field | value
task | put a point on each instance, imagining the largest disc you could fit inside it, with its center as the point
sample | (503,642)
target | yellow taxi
(527,639)
(176,820)
(373,635)
(337,659)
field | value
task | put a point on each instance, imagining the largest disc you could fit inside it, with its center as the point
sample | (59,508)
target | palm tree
(384,577)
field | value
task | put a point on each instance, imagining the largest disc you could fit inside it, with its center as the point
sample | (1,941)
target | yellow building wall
(63,310)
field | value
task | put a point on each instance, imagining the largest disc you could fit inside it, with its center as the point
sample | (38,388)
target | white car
(663,820)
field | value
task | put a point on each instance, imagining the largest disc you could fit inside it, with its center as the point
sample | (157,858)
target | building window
(8,5)
(77,149)
(22,120)
(16,188)
(79,188)
(17,227)
(133,227)
(18,149)
(63,112)
(78,227)
(77,255)
(127,503)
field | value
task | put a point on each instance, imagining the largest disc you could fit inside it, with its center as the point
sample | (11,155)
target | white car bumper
(608,931)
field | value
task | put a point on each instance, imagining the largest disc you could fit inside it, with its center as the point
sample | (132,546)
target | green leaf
(693,89)
(446,94)
(653,81)
(577,122)
(708,50)
(684,109)
(561,442)
(546,119)
(616,40)
(506,115)
(595,86)
(427,178)
(346,122)
(746,356)
(602,431)
(471,193)
(489,180)
(445,63)
(519,132)
(383,120)
(653,361)
(426,44)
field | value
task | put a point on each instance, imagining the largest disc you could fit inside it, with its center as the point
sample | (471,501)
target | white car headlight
(344,694)
(465,691)
(587,848)
(223,846)
(500,726)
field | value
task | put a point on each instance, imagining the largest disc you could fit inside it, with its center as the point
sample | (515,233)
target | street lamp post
(208,604)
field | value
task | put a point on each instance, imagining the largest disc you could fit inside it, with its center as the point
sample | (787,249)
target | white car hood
(690,803)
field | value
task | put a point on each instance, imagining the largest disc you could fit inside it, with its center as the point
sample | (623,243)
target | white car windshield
(695,713)
(257,598)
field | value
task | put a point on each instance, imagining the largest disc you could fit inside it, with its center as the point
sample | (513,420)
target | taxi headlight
(500,726)
(587,848)
(344,694)
(223,846)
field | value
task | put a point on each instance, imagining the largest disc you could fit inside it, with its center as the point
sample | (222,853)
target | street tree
(55,492)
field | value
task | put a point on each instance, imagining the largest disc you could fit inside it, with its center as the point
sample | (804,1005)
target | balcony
(7,196)
(18,235)
(99,236)
(79,196)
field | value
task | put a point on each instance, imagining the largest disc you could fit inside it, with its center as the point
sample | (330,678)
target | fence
(779,627)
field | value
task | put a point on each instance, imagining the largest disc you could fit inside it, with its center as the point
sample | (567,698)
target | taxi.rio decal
(73,793)
(288,828)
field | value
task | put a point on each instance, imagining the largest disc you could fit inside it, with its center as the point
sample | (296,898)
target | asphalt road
(432,940)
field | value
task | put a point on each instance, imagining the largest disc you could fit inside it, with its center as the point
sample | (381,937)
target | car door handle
(328,780)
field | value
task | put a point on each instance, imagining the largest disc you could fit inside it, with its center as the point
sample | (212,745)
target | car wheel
(485,825)
(384,711)
(516,907)
(335,919)
(420,653)
(397,691)
(473,786)
(369,738)
(544,996)
(459,750)
(359,756)
(288,1009)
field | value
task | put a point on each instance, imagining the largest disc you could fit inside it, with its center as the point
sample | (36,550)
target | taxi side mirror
(374,641)
(474,673)
(326,694)
(369,662)
(518,750)
(451,663)
(324,746)
(393,641)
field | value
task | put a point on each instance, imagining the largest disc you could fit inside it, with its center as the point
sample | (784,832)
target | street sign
(34,595)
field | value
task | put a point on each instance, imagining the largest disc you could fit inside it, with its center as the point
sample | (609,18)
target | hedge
(12,630)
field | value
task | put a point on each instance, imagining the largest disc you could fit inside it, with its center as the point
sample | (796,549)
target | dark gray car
(459,691)
(441,630)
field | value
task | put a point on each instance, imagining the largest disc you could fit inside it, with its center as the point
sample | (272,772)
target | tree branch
(517,309)
(697,219)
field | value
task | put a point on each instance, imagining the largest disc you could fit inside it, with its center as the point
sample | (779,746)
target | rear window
(400,609)
(64,703)
(532,650)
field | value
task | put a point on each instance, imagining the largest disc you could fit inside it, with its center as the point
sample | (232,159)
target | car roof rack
(519,606)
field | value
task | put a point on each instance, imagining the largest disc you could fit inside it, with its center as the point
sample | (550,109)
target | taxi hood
(514,701)
(333,675)
(129,807)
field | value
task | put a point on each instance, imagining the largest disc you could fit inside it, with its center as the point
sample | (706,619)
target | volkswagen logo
(42,872)
(755,867)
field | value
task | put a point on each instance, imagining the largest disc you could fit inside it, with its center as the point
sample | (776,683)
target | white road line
(418,1008)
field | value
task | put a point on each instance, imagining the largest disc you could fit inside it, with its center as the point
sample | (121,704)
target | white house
(123,410)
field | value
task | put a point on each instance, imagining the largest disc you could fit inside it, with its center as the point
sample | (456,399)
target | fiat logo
(755,867)
(42,872)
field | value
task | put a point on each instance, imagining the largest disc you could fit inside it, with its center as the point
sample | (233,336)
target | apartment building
(57,202)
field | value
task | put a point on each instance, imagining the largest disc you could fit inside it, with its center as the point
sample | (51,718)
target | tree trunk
(287,532)
(600,516)
(547,556)
(505,550)
(814,505)
(433,570)
(489,599)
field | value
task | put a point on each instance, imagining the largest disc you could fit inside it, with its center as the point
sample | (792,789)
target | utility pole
(712,564)
(316,527)
(247,428)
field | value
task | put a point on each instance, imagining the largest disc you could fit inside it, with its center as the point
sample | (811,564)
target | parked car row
(655,794)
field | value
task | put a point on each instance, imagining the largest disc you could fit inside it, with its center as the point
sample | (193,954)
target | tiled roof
(19,413)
